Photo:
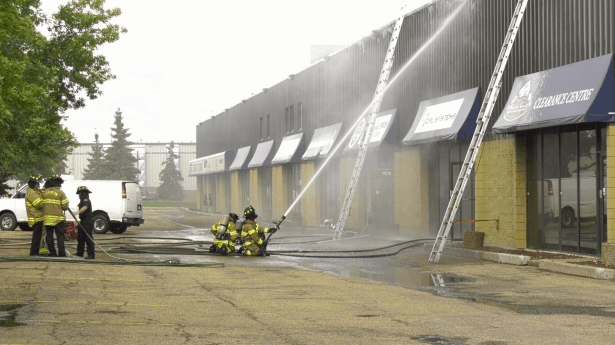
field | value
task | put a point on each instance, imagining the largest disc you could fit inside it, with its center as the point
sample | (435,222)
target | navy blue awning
(291,148)
(241,159)
(262,155)
(444,118)
(322,141)
(382,126)
(575,93)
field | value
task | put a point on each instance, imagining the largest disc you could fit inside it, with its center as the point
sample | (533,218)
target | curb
(577,270)
(503,258)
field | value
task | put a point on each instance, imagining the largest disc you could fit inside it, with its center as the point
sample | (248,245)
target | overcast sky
(186,60)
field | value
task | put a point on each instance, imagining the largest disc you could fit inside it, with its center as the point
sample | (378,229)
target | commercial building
(540,179)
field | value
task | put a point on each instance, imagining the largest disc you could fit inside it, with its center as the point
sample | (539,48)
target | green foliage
(118,162)
(170,178)
(4,188)
(40,78)
(94,171)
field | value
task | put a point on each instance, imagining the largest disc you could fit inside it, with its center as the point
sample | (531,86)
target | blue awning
(241,159)
(290,149)
(215,163)
(575,93)
(445,118)
(262,155)
(382,127)
(322,141)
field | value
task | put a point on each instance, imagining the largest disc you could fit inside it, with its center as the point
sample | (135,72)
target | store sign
(381,127)
(439,116)
(207,165)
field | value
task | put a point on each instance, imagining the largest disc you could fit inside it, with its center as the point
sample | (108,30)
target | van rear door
(133,206)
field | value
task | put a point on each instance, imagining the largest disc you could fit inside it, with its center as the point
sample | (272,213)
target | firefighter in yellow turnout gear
(252,235)
(225,233)
(34,208)
(55,203)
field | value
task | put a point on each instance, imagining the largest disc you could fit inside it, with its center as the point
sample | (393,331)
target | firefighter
(55,203)
(225,232)
(84,232)
(34,208)
(252,235)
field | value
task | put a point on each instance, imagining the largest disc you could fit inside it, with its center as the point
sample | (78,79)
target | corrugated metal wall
(553,33)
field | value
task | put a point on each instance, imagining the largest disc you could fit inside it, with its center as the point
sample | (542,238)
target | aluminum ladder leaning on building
(481,126)
(367,133)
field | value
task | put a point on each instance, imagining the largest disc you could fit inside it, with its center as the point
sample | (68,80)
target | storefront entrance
(565,174)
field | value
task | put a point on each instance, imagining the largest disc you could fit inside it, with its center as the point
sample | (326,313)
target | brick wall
(310,201)
(500,192)
(411,192)
(610,184)
(278,191)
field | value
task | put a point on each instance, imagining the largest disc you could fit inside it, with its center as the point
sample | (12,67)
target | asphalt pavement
(353,291)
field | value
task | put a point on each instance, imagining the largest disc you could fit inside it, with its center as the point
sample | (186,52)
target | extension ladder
(481,126)
(367,133)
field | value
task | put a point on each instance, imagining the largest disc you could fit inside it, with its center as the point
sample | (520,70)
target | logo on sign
(520,104)
(439,116)
(357,134)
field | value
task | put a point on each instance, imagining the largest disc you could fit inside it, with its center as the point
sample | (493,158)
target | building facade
(540,182)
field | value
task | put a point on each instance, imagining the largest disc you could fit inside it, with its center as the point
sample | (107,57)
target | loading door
(383,200)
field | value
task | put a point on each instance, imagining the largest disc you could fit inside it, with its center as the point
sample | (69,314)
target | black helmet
(83,189)
(250,213)
(233,217)
(55,178)
(35,178)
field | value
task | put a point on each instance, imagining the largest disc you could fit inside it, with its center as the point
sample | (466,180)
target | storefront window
(587,191)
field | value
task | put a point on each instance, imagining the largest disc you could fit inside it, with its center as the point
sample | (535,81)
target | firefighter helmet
(233,217)
(35,178)
(83,189)
(250,213)
(56,178)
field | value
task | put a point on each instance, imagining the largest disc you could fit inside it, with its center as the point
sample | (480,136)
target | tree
(170,178)
(94,171)
(4,188)
(118,162)
(42,77)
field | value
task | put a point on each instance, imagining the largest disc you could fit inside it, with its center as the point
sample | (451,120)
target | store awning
(215,163)
(575,93)
(445,118)
(382,127)
(290,150)
(262,155)
(241,159)
(322,141)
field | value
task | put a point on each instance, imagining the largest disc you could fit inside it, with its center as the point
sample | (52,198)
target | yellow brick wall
(278,190)
(220,192)
(236,205)
(255,190)
(411,192)
(310,201)
(356,217)
(610,184)
(500,192)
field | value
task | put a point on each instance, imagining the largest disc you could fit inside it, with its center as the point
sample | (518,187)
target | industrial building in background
(540,177)
(150,157)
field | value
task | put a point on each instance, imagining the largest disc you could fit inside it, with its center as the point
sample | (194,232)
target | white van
(116,205)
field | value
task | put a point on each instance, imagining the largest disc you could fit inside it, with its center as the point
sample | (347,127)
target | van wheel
(567,218)
(118,228)
(101,224)
(8,222)
(25,227)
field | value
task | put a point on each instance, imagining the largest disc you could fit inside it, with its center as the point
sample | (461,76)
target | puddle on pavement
(409,278)
(434,339)
(7,315)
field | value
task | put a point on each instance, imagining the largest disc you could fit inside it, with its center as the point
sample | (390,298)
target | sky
(183,61)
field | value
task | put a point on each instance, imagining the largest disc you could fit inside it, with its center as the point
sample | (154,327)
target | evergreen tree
(118,162)
(170,188)
(94,171)
(4,188)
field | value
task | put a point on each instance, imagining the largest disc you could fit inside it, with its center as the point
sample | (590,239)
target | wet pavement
(367,287)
